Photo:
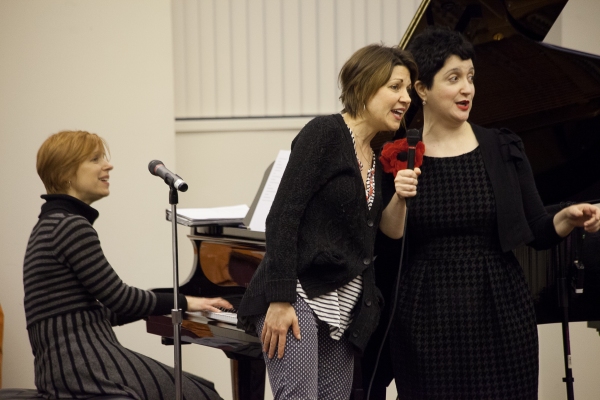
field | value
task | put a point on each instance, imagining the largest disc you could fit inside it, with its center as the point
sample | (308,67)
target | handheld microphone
(412,137)
(157,168)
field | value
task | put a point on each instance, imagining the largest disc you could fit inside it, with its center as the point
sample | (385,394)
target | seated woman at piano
(313,299)
(73,296)
(465,325)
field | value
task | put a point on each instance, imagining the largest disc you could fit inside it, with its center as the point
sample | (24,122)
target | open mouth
(463,105)
(399,112)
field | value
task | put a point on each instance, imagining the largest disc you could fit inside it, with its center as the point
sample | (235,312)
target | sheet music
(207,216)
(267,196)
(214,213)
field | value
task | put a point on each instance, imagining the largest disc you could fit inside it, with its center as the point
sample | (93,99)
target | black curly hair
(432,47)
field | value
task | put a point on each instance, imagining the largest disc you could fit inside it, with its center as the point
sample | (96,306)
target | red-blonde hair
(61,154)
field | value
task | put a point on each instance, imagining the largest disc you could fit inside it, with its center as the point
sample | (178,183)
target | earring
(424,102)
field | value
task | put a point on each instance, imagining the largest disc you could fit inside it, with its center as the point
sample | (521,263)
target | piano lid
(547,94)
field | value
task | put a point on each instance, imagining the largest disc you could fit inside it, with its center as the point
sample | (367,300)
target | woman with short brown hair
(313,298)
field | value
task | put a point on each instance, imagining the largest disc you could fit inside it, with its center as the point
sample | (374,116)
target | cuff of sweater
(165,303)
(281,291)
(554,237)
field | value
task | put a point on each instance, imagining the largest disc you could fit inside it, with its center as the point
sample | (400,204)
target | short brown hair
(367,70)
(61,154)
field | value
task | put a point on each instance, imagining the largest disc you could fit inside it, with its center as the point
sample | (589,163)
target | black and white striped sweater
(65,269)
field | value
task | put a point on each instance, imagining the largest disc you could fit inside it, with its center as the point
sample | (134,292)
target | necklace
(368,160)
(370,178)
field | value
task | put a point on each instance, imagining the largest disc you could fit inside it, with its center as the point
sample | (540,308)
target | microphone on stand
(175,183)
(157,168)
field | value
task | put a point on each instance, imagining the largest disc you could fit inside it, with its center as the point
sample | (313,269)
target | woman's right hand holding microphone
(406,182)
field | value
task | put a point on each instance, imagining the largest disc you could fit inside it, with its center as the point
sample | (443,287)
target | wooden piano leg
(247,377)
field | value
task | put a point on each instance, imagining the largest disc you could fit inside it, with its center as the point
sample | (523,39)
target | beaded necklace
(370,182)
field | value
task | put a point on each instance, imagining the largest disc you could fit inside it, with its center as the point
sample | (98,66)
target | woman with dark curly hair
(465,325)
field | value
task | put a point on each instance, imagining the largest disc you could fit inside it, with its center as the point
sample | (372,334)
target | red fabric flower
(394,155)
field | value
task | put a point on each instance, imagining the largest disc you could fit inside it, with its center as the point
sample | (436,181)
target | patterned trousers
(315,367)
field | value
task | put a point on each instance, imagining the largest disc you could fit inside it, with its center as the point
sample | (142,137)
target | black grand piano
(548,95)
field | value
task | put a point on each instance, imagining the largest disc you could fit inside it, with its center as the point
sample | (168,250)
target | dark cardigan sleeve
(305,173)
(388,188)
(540,222)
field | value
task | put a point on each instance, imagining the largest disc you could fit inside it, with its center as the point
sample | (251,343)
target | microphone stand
(564,293)
(395,301)
(176,312)
(564,305)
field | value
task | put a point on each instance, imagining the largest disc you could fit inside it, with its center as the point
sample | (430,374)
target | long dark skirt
(77,355)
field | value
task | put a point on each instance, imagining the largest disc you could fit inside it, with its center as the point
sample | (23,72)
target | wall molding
(210,125)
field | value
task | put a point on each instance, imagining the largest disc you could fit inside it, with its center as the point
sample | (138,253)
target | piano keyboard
(223,316)
(228,317)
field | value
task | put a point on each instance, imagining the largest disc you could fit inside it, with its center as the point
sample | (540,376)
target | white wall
(580,28)
(103,66)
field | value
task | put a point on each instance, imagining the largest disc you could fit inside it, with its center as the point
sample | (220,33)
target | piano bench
(32,394)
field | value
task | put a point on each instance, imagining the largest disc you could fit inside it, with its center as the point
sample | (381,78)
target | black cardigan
(521,216)
(319,229)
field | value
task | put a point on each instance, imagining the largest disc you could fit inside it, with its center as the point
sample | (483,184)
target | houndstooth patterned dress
(465,324)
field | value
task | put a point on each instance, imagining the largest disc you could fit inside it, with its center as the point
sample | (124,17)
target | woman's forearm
(392,218)
(562,224)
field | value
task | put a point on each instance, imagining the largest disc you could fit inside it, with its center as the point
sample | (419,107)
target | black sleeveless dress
(465,324)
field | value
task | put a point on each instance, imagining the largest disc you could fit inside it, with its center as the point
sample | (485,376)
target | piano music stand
(176,313)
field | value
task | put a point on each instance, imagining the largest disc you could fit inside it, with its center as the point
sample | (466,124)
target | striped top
(65,269)
(335,308)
